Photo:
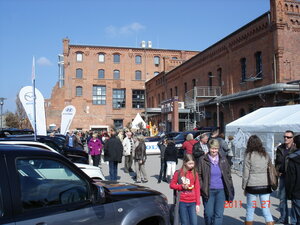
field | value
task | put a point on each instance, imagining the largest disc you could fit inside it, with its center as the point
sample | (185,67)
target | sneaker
(144,181)
(137,182)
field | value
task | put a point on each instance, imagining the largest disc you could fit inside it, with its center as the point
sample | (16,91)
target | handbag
(272,176)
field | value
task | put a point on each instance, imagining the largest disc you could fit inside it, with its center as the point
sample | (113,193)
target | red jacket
(190,195)
(188,146)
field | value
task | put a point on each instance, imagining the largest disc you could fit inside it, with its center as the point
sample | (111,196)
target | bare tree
(11,120)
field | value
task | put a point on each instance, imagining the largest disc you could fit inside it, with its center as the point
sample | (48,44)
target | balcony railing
(201,93)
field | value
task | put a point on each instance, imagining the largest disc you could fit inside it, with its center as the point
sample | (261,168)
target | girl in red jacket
(188,186)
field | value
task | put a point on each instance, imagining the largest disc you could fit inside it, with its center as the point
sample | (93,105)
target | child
(189,187)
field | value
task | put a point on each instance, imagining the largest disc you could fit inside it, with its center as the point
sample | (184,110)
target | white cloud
(126,30)
(43,61)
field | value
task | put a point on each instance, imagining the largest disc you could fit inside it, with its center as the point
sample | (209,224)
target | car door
(52,192)
(5,197)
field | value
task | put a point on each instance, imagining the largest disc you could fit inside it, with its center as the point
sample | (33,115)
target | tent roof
(269,119)
(138,119)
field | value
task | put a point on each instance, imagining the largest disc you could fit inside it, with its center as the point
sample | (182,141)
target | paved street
(232,216)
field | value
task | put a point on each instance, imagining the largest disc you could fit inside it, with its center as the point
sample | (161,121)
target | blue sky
(36,28)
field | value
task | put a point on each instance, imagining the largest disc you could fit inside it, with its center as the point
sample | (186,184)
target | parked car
(14,131)
(43,187)
(92,171)
(74,154)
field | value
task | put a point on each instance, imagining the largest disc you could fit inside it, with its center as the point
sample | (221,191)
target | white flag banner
(67,116)
(27,98)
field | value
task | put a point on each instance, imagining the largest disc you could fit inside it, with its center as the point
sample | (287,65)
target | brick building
(106,84)
(258,65)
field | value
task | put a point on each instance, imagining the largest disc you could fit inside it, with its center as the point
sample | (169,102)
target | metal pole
(1,104)
(218,115)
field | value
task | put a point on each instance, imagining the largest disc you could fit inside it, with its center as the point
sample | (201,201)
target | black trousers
(163,168)
(128,163)
(96,160)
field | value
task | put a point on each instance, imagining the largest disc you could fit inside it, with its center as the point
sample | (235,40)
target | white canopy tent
(137,120)
(268,123)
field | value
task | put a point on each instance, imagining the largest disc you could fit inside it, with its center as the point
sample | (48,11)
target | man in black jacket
(200,148)
(113,152)
(292,184)
(282,152)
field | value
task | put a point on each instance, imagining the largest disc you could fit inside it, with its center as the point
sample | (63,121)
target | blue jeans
(113,170)
(295,212)
(265,206)
(187,212)
(283,206)
(214,207)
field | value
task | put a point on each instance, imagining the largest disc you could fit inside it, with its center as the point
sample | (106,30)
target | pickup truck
(41,187)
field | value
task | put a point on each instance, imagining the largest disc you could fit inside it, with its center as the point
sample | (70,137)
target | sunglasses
(288,137)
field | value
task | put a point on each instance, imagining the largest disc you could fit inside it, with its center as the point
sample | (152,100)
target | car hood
(122,191)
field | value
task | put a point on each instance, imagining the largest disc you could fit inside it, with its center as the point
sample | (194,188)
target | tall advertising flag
(26,96)
(67,116)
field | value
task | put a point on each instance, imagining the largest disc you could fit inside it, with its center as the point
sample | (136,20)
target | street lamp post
(1,105)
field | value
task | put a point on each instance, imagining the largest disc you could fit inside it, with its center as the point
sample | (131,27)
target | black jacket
(204,176)
(113,150)
(162,148)
(292,176)
(280,161)
(171,153)
(198,152)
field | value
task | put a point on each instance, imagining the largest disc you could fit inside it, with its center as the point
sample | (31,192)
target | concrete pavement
(234,214)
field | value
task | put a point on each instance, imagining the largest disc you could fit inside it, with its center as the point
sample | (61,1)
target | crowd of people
(206,172)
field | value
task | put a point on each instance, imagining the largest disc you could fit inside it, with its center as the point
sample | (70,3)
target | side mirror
(100,194)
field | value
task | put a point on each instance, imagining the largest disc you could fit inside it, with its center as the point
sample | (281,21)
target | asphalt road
(232,216)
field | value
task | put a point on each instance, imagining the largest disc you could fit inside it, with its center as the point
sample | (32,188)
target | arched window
(101,74)
(116,74)
(138,59)
(156,73)
(116,58)
(78,91)
(101,57)
(79,73)
(243,69)
(156,60)
(79,56)
(138,75)
(258,60)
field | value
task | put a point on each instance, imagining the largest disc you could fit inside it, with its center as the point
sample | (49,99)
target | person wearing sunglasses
(282,152)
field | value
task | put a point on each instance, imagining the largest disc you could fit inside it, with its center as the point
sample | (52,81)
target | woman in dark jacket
(162,144)
(113,152)
(171,158)
(140,157)
(216,183)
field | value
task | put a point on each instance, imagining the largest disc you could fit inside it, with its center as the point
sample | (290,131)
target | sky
(35,28)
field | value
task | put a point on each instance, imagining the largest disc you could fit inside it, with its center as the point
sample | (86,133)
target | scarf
(214,161)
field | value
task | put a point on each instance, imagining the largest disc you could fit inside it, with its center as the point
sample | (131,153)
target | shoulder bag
(272,176)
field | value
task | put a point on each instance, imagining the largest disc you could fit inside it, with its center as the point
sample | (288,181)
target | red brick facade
(89,115)
(268,47)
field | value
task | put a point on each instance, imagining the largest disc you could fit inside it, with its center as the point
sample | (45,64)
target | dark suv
(42,187)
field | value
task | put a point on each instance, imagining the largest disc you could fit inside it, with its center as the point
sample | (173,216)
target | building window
(171,92)
(163,96)
(174,57)
(116,74)
(156,60)
(219,72)
(118,124)
(156,73)
(185,87)
(138,59)
(138,99)
(258,61)
(176,91)
(79,73)
(79,56)
(194,83)
(119,98)
(101,74)
(210,77)
(116,58)
(158,99)
(101,57)
(243,69)
(78,91)
(138,75)
(99,95)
